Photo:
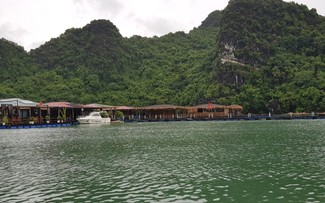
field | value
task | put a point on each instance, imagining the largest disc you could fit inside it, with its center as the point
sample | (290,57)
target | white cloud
(104,7)
(31,22)
(157,26)
(12,33)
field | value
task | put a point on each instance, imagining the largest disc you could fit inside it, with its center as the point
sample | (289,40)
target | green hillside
(265,55)
(96,64)
(15,64)
(273,55)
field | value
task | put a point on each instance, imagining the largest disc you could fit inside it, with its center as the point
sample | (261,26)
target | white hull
(93,121)
(93,118)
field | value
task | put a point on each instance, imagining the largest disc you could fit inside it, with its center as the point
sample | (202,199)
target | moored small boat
(93,118)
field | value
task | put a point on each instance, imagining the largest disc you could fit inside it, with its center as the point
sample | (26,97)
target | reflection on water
(259,161)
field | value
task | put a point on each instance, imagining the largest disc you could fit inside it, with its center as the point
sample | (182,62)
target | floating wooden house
(211,111)
(161,112)
(207,111)
(16,111)
(173,112)
(63,112)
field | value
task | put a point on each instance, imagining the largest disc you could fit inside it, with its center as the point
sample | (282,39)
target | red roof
(164,106)
(61,105)
(209,106)
(235,107)
(119,108)
(94,106)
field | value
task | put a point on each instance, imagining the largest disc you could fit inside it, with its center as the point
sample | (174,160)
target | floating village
(20,113)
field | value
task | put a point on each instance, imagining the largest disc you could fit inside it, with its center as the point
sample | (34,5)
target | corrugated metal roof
(27,103)
(119,108)
(18,102)
(62,105)
(235,107)
(209,106)
(91,106)
(164,106)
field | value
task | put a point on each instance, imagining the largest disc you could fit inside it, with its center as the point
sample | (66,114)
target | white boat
(93,118)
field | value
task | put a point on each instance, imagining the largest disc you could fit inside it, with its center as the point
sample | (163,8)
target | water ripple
(265,161)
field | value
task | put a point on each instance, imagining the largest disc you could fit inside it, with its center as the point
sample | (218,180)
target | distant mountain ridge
(265,55)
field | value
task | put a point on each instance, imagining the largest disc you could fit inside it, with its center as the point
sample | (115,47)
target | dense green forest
(264,55)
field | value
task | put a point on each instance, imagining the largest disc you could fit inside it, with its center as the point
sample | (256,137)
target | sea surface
(225,161)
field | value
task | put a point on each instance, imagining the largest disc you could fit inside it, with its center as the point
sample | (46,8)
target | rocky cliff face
(252,31)
(228,53)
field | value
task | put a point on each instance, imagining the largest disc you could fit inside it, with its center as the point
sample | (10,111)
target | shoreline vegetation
(261,55)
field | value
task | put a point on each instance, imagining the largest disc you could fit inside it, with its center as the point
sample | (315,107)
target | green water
(241,161)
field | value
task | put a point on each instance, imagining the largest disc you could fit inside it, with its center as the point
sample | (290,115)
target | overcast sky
(30,23)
